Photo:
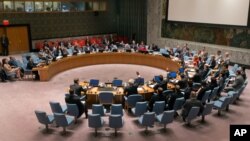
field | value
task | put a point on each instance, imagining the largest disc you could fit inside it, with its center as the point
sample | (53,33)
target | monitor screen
(225,12)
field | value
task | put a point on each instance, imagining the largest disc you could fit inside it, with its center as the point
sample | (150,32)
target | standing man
(5,45)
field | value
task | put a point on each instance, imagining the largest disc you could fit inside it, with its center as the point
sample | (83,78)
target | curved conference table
(157,61)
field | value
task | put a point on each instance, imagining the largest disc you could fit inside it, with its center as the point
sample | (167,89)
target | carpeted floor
(19,99)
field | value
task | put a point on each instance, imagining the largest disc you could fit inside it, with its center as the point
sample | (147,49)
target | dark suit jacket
(172,100)
(162,84)
(189,104)
(75,100)
(183,83)
(131,90)
(154,98)
(197,78)
(77,89)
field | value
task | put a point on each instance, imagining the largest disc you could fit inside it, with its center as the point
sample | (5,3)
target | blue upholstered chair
(193,113)
(206,96)
(98,109)
(116,109)
(43,118)
(207,110)
(95,121)
(178,103)
(139,109)
(115,121)
(73,110)
(106,98)
(157,79)
(63,120)
(214,93)
(57,108)
(131,100)
(94,82)
(159,107)
(147,120)
(222,105)
(117,82)
(165,118)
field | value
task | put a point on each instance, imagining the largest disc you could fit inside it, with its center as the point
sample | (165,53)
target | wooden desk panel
(46,73)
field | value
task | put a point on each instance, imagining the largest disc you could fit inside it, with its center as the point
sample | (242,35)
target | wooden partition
(46,73)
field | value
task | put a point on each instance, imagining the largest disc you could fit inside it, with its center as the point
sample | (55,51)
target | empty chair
(106,98)
(43,118)
(214,93)
(193,113)
(98,109)
(205,96)
(131,100)
(159,107)
(116,109)
(140,108)
(178,103)
(72,110)
(94,82)
(207,110)
(95,121)
(147,120)
(166,117)
(57,108)
(117,83)
(115,121)
(63,120)
(222,105)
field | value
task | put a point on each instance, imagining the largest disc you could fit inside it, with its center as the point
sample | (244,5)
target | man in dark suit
(131,88)
(156,97)
(197,77)
(162,83)
(201,92)
(74,99)
(183,82)
(5,45)
(174,96)
(192,102)
(77,88)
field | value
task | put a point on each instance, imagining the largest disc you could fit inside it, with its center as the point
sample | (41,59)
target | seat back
(148,119)
(106,97)
(208,108)
(42,117)
(159,107)
(140,108)
(157,79)
(73,110)
(115,121)
(55,107)
(98,109)
(196,86)
(117,83)
(133,99)
(139,81)
(94,82)
(116,109)
(178,103)
(193,113)
(214,93)
(61,119)
(95,120)
(167,117)
(206,96)
(226,102)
